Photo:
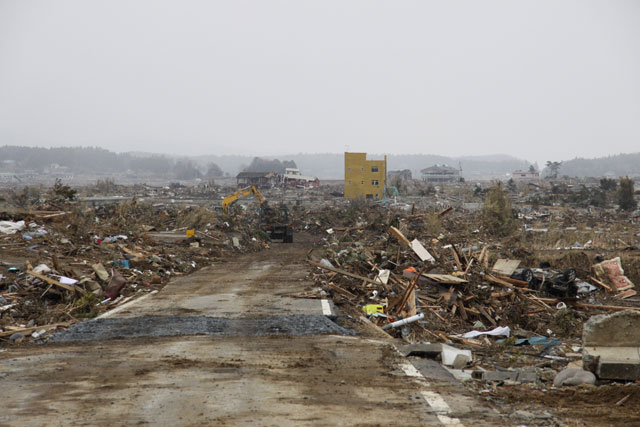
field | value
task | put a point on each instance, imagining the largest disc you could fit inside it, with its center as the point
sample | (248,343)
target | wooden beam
(375,327)
(344,273)
(486,315)
(456,258)
(598,282)
(520,283)
(506,284)
(401,237)
(340,290)
(589,306)
(72,288)
(462,309)
(26,331)
(408,292)
(466,271)
(446,211)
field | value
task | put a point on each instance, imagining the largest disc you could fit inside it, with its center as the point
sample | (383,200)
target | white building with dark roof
(440,173)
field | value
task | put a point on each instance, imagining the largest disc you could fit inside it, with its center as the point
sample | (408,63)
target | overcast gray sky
(540,80)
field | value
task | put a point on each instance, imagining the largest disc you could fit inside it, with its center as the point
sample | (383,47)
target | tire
(527,275)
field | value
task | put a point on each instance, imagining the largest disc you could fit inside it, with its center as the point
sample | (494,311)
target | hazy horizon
(537,80)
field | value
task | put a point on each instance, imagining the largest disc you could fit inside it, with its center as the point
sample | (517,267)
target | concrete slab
(621,329)
(614,363)
(612,345)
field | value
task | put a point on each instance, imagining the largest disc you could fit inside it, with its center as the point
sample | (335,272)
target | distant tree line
(264,165)
(618,165)
(99,160)
(322,165)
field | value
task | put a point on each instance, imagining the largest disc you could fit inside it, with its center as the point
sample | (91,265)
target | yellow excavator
(275,222)
(240,194)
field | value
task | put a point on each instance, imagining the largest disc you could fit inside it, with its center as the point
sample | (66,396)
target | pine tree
(497,214)
(626,201)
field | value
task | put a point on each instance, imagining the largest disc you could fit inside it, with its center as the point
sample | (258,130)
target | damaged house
(257,179)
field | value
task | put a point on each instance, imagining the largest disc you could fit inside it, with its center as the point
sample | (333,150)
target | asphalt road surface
(229,345)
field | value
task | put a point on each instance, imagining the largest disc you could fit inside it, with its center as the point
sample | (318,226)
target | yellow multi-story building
(364,178)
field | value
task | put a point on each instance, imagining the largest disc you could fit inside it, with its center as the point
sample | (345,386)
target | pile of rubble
(495,317)
(72,261)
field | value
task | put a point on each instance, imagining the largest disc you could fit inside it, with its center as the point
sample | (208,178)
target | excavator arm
(240,194)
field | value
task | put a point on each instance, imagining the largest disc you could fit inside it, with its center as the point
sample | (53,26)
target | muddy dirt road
(229,345)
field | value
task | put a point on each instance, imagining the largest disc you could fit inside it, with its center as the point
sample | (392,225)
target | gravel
(158,326)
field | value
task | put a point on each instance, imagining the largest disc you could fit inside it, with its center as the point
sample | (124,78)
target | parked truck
(276,222)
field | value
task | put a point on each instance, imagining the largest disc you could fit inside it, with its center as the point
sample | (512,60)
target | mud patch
(587,405)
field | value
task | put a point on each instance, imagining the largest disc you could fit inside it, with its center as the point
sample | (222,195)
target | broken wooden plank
(598,282)
(72,288)
(472,311)
(462,309)
(456,258)
(486,315)
(520,283)
(137,255)
(27,331)
(501,294)
(505,267)
(383,276)
(7,307)
(408,293)
(465,341)
(411,307)
(375,327)
(483,253)
(344,273)
(427,299)
(445,278)
(588,306)
(47,215)
(469,264)
(437,315)
(451,296)
(497,281)
(338,289)
(446,211)
(539,301)
(401,237)
(420,215)
(420,251)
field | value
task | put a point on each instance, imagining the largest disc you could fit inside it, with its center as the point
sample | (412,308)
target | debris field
(524,302)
